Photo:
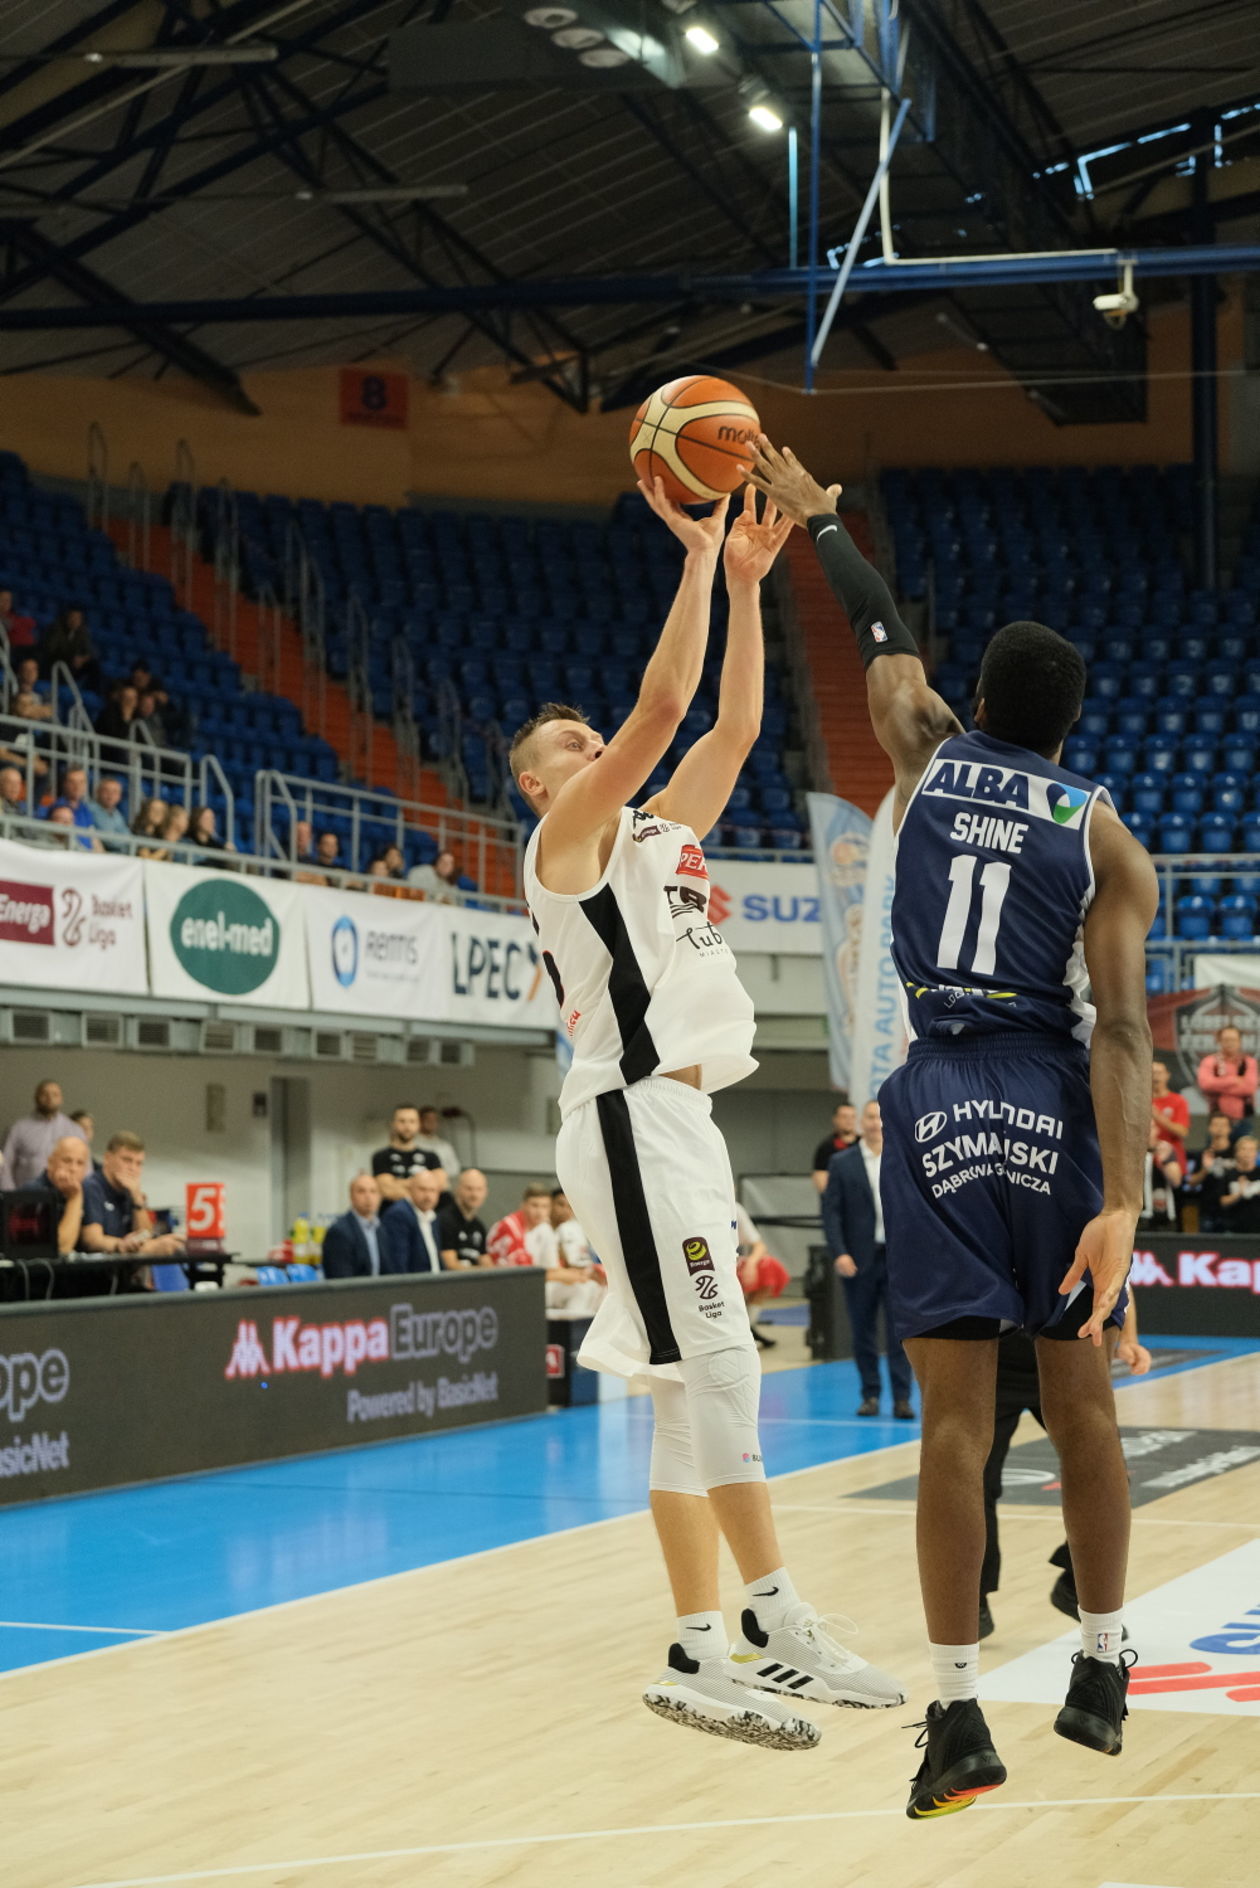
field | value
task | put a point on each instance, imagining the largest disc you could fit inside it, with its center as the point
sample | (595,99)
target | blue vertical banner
(841,836)
(879,1026)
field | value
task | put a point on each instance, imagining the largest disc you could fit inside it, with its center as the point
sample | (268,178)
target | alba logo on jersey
(1066,803)
(1008,787)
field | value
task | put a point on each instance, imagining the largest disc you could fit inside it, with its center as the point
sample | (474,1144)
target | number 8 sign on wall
(372,398)
(204,1210)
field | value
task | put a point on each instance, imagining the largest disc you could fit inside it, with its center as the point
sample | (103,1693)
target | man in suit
(409,1227)
(353,1245)
(853,1220)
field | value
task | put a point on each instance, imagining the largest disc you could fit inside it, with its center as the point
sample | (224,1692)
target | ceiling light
(765,118)
(156,58)
(601,57)
(702,39)
(577,38)
(550,18)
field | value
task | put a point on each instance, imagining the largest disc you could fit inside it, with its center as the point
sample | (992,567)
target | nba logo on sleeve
(879,632)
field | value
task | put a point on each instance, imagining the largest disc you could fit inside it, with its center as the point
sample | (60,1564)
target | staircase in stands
(860,770)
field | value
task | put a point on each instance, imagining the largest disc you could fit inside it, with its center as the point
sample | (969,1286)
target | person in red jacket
(1229,1077)
(1170,1112)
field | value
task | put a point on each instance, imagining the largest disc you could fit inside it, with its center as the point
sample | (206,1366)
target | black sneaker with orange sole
(959,1761)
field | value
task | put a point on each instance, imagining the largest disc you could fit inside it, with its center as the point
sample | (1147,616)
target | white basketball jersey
(646,984)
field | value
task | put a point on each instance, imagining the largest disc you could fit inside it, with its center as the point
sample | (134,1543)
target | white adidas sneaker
(713,1695)
(801,1659)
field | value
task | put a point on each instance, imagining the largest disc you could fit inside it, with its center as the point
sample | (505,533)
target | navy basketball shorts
(990,1172)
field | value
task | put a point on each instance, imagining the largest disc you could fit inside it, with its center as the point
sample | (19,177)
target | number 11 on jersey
(995,877)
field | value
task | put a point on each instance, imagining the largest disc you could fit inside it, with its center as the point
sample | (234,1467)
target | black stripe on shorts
(627,989)
(634,1226)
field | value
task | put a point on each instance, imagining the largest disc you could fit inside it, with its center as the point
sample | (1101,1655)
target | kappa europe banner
(221,936)
(426,963)
(71,920)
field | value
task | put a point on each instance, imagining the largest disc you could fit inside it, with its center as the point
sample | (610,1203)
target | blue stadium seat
(1176,833)
(1195,917)
(1146,793)
(1216,835)
(1237,916)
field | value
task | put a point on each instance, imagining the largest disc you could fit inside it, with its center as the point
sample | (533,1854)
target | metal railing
(1177,873)
(406,732)
(451,736)
(43,750)
(61,676)
(226,549)
(139,516)
(270,635)
(488,850)
(306,604)
(358,629)
(97,496)
(183,523)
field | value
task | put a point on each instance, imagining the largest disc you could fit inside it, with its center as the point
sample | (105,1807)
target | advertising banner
(1184,1024)
(1205,1284)
(220,936)
(879,1031)
(424,963)
(842,835)
(218,1379)
(770,907)
(72,920)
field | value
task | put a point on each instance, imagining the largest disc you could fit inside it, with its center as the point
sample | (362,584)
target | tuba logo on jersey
(1066,803)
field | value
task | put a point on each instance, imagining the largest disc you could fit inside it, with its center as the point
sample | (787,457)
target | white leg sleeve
(723,1391)
(673,1468)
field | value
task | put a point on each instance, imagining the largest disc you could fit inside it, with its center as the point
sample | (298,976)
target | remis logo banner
(225,937)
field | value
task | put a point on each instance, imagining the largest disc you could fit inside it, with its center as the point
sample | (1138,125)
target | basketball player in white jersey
(649,995)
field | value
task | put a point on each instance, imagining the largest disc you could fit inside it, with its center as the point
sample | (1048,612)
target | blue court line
(188,1552)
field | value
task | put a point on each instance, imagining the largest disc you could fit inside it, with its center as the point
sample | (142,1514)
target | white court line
(653,1830)
(35,1625)
(903,1511)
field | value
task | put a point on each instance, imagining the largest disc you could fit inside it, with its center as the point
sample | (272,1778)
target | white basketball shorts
(650,1180)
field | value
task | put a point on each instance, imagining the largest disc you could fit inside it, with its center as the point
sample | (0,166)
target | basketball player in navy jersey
(1013,1149)
(618,892)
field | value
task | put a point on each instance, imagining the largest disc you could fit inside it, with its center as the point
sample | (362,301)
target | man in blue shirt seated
(409,1226)
(116,1217)
(353,1245)
(106,809)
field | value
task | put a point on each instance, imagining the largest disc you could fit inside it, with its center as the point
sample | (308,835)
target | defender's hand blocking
(752,544)
(695,534)
(782,478)
(1106,1253)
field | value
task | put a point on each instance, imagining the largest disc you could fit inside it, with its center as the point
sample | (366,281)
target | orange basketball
(693,434)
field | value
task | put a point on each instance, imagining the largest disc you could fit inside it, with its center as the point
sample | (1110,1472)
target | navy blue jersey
(993,879)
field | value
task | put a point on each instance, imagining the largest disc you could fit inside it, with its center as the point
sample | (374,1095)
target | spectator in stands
(304,855)
(382,885)
(116,1216)
(107,813)
(86,1125)
(440,881)
(1229,1078)
(26,678)
(33,1136)
(174,827)
(328,853)
(409,1226)
(402,1155)
(150,820)
(761,1276)
(18,627)
(395,863)
(1240,1206)
(12,790)
(69,1164)
(1161,1185)
(117,719)
(461,1235)
(145,682)
(1171,1111)
(62,814)
(575,1247)
(527,1237)
(1212,1171)
(203,832)
(69,640)
(352,1244)
(435,1143)
(843,1134)
(23,749)
(74,791)
(150,717)
(164,713)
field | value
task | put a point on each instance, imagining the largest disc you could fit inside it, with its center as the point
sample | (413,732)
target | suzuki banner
(424,963)
(213,1380)
(72,921)
(217,935)
(842,837)
(770,907)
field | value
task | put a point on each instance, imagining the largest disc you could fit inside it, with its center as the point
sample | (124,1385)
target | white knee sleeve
(673,1469)
(723,1391)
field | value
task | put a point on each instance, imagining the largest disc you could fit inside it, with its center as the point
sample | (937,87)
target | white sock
(1102,1635)
(772,1598)
(956,1669)
(703,1635)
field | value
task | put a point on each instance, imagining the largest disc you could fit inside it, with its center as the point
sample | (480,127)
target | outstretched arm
(704,779)
(589,799)
(1116,925)
(909,718)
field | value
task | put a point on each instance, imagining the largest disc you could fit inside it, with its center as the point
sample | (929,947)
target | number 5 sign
(203,1218)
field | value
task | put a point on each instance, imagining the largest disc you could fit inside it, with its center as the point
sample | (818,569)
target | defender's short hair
(124,1142)
(518,757)
(1032,683)
(537,1190)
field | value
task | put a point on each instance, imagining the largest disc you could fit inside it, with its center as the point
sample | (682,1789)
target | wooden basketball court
(477,1721)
